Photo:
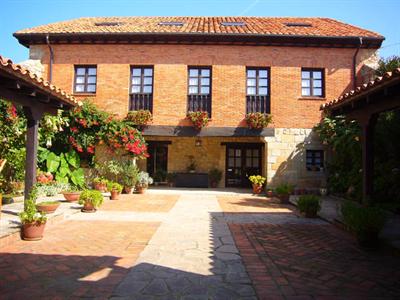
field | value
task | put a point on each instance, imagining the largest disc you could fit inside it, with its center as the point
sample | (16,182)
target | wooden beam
(32,139)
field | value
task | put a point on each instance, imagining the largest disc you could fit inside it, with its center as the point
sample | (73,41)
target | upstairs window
(312,83)
(314,160)
(85,79)
(199,89)
(199,81)
(257,90)
(141,88)
(142,80)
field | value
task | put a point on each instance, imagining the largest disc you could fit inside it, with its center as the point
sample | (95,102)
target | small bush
(365,222)
(257,179)
(114,186)
(309,205)
(284,189)
(91,196)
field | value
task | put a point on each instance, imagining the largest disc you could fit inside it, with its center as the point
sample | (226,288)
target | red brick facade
(228,64)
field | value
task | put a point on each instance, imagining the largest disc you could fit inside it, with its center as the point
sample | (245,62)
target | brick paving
(141,203)
(314,262)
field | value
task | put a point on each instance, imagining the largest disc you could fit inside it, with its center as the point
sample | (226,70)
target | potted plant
(129,176)
(115,189)
(258,182)
(100,184)
(160,176)
(270,193)
(283,192)
(365,222)
(48,207)
(258,120)
(139,118)
(33,222)
(199,119)
(171,177)
(71,194)
(191,168)
(309,205)
(91,200)
(215,176)
(143,182)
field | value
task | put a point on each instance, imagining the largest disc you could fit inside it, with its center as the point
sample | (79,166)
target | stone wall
(286,157)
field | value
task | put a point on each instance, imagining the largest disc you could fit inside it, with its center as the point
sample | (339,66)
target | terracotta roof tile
(362,89)
(204,25)
(28,76)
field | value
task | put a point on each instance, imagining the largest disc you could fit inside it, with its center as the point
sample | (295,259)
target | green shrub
(284,189)
(365,222)
(100,180)
(215,175)
(310,205)
(129,174)
(91,196)
(114,186)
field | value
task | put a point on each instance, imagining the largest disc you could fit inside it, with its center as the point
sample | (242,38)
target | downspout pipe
(355,63)
(51,58)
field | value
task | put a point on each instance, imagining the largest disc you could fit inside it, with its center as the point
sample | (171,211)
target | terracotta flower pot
(141,190)
(115,195)
(71,196)
(284,198)
(128,190)
(32,231)
(47,208)
(100,187)
(257,189)
(270,194)
(88,208)
(213,184)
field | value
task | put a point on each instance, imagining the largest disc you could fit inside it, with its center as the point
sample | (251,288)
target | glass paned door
(242,161)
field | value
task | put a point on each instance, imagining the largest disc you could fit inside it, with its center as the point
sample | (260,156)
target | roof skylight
(298,24)
(233,23)
(170,23)
(108,23)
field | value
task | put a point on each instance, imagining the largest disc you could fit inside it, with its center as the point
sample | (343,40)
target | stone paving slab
(191,256)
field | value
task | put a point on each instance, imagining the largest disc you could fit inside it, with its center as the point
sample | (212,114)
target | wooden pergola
(37,97)
(364,104)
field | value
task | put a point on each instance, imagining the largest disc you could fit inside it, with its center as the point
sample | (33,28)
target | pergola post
(32,139)
(367,143)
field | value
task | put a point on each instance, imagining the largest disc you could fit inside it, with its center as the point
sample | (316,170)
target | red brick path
(75,258)
(296,261)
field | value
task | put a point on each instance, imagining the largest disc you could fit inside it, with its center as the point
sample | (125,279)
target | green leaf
(73,159)
(78,177)
(43,154)
(61,179)
(52,162)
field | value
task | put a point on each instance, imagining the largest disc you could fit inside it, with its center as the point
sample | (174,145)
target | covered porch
(364,104)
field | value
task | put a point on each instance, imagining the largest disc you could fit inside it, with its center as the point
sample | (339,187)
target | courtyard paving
(195,245)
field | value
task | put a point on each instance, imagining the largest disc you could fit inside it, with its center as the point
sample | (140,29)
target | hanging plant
(258,120)
(198,118)
(139,118)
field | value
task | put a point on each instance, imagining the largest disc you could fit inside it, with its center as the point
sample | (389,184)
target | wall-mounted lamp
(197,143)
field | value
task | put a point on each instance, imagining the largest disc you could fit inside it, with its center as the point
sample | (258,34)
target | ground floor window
(314,160)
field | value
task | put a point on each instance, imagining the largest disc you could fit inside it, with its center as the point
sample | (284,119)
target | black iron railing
(260,104)
(199,102)
(141,101)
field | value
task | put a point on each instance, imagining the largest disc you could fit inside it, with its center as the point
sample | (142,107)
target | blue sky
(377,15)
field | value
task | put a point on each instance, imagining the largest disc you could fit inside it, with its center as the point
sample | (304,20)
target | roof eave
(27,39)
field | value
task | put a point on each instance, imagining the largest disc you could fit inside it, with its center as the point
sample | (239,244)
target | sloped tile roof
(363,89)
(314,27)
(25,75)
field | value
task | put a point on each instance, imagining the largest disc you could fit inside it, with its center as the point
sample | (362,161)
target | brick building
(227,66)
